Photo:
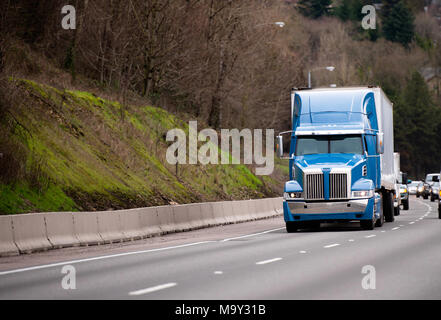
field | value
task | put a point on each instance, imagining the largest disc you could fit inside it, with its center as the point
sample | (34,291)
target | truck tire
(388,205)
(379,223)
(397,210)
(439,212)
(292,226)
(406,204)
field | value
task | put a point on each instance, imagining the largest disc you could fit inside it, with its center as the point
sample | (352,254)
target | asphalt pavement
(401,260)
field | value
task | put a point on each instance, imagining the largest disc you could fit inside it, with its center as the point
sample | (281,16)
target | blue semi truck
(341,162)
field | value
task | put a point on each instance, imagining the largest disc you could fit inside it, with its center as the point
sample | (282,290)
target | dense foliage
(228,64)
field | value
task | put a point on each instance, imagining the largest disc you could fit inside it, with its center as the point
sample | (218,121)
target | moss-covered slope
(76,151)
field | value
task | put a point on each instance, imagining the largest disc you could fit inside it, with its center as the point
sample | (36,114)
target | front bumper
(360,209)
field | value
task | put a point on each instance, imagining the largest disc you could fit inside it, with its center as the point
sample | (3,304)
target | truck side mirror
(380,145)
(279,146)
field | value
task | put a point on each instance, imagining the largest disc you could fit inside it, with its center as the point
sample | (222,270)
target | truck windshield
(329,144)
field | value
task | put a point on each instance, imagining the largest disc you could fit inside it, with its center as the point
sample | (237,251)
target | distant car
(404,196)
(439,206)
(413,187)
(434,191)
(420,189)
(430,179)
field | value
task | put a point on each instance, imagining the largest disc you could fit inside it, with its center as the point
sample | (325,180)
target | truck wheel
(379,222)
(367,224)
(397,210)
(292,226)
(406,205)
(388,203)
(439,212)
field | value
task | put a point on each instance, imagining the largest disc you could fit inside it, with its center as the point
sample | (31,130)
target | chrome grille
(338,188)
(314,186)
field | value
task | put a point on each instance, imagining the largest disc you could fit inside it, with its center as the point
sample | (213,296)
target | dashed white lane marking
(396,228)
(383,230)
(351,240)
(331,245)
(218,272)
(412,222)
(371,236)
(268,261)
(251,235)
(302,251)
(152,289)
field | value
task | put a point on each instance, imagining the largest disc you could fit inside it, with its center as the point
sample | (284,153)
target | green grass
(94,154)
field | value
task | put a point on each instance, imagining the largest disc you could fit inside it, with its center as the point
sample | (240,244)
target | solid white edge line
(57,264)
(251,235)
(152,289)
(100,258)
(268,261)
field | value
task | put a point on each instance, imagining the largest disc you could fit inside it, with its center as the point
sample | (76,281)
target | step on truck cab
(341,162)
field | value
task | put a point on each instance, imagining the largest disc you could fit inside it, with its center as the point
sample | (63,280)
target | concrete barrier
(86,228)
(40,231)
(60,229)
(150,224)
(7,245)
(181,218)
(109,226)
(131,224)
(166,219)
(208,214)
(218,213)
(245,213)
(229,212)
(30,232)
(196,216)
(254,209)
(278,205)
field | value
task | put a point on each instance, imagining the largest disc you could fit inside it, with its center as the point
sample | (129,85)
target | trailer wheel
(388,203)
(397,210)
(292,226)
(406,205)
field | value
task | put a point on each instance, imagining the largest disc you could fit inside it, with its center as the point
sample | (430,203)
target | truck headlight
(292,195)
(362,194)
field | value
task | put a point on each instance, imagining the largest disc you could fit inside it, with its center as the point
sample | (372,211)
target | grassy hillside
(72,150)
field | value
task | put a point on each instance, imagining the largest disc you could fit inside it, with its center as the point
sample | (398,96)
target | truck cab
(340,158)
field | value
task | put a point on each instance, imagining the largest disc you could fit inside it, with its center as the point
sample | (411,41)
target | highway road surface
(254,260)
